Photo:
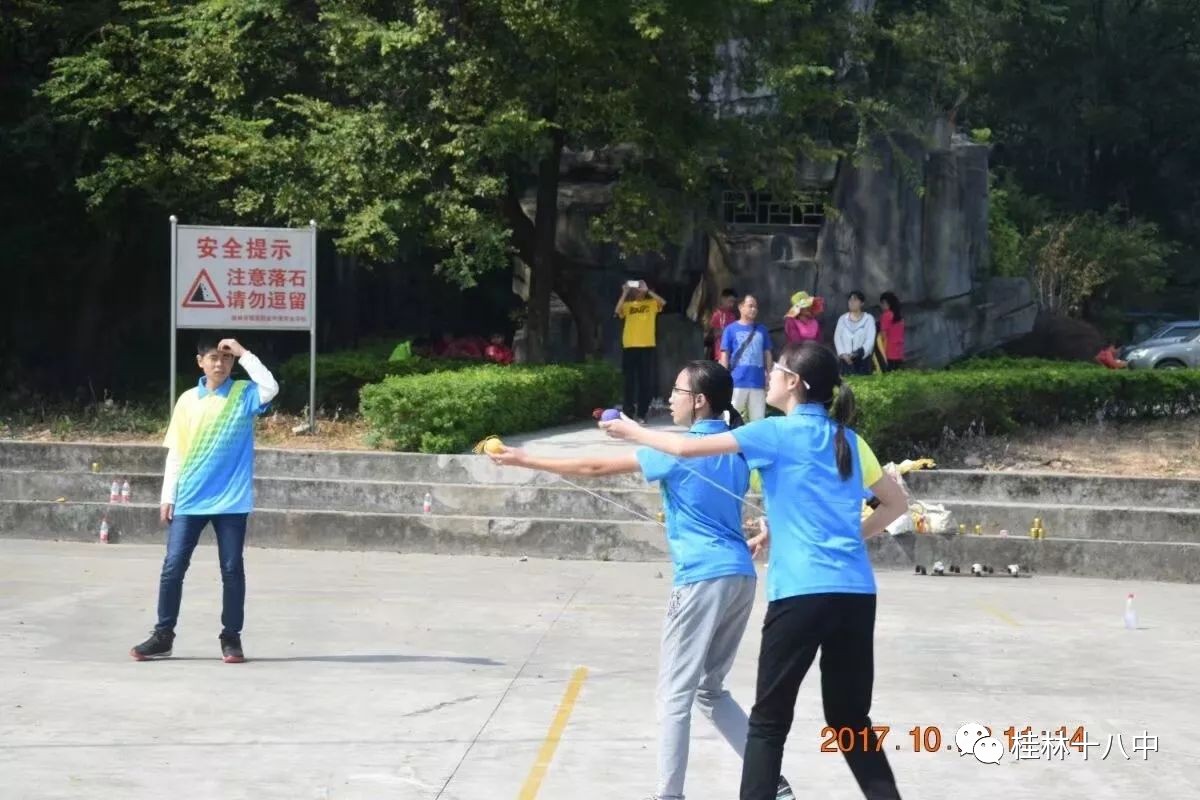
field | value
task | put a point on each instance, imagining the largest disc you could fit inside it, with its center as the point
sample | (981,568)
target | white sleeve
(841,340)
(170,477)
(871,331)
(262,377)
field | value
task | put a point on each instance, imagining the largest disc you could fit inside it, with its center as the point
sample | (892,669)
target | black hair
(731,292)
(205,346)
(893,304)
(716,383)
(862,298)
(817,366)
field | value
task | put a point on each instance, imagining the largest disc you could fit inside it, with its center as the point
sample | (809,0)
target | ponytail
(818,367)
(734,417)
(842,411)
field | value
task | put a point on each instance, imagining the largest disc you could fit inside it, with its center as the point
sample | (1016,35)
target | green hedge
(1016,363)
(448,412)
(902,411)
(341,375)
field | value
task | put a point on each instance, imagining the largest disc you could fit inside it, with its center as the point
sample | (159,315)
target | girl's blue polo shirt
(815,517)
(704,524)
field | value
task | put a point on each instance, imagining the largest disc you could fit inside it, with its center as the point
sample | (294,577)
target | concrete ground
(374,675)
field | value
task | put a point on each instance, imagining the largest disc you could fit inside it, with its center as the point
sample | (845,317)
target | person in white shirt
(854,337)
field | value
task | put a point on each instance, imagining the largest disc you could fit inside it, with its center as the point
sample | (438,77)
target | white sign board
(238,278)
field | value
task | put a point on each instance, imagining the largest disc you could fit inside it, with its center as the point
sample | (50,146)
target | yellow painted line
(1000,615)
(534,782)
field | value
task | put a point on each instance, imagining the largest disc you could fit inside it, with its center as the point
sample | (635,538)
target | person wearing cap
(799,323)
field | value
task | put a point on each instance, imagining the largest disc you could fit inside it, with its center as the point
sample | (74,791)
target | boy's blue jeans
(182,536)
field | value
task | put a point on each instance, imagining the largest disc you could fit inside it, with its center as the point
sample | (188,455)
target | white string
(598,496)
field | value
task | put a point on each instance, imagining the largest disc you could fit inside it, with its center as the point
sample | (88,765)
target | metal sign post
(243,278)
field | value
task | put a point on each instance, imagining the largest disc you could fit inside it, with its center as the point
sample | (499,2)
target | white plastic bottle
(427,506)
(1131,620)
(125,492)
(114,492)
(104,531)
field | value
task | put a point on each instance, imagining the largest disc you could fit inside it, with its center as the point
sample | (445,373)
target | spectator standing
(639,308)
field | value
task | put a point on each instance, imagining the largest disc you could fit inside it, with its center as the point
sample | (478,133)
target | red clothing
(716,325)
(893,334)
(801,330)
(499,354)
(1108,358)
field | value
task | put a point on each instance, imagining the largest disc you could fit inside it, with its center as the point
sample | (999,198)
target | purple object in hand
(610,414)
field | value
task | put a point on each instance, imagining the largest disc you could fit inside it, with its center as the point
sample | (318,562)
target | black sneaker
(231,648)
(157,646)
(784,792)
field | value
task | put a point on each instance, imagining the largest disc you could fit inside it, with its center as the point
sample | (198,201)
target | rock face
(914,221)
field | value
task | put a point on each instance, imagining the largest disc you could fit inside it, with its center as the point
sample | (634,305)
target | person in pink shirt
(891,327)
(799,324)
(726,314)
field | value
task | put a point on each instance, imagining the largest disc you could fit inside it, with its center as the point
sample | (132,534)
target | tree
(1078,258)
(1098,104)
(425,122)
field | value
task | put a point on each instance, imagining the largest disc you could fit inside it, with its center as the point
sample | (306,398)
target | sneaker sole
(234,659)
(141,657)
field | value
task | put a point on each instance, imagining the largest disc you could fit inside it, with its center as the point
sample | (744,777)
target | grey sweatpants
(704,626)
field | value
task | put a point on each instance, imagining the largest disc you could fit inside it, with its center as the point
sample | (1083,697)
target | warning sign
(203,293)
(237,278)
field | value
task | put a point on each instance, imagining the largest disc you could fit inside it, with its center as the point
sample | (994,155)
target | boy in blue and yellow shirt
(209,477)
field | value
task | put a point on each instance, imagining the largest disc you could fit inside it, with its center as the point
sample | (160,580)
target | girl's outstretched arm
(675,444)
(585,467)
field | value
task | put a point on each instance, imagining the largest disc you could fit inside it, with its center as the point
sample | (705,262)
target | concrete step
(339,530)
(1150,561)
(557,500)
(1077,521)
(561,501)
(603,540)
(120,460)
(1055,488)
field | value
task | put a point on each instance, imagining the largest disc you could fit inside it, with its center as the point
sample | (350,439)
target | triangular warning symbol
(203,293)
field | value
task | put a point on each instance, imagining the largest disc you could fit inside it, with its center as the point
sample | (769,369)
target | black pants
(638,366)
(843,627)
(859,365)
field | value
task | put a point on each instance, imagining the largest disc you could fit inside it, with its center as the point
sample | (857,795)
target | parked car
(1173,346)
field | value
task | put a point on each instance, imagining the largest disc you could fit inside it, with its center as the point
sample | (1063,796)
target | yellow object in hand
(491,446)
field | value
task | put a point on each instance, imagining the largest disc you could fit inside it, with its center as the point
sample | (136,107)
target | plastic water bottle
(125,492)
(427,506)
(104,531)
(1131,621)
(114,492)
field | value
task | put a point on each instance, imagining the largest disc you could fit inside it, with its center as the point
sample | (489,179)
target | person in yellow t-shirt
(639,307)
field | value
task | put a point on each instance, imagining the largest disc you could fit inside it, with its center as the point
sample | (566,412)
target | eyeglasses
(778,366)
(677,390)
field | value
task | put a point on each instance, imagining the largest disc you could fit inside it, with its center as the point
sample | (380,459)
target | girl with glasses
(714,583)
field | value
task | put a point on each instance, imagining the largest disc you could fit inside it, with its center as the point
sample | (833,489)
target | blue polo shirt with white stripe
(704,523)
(815,517)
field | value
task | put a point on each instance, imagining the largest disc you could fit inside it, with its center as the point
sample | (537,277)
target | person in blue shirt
(714,583)
(746,353)
(820,587)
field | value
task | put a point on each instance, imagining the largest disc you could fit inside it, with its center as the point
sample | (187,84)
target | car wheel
(1170,363)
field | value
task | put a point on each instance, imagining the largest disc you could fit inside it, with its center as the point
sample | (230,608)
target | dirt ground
(1159,448)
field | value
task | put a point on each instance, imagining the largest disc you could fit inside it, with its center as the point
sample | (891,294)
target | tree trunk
(545,230)
(570,285)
